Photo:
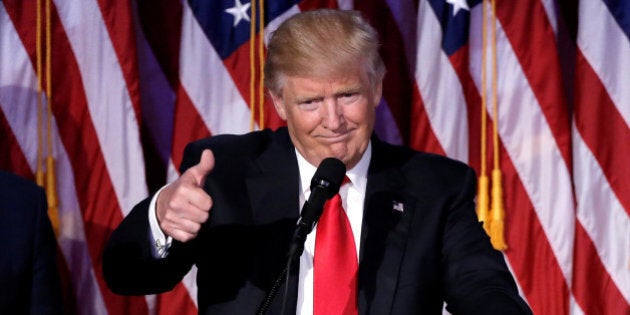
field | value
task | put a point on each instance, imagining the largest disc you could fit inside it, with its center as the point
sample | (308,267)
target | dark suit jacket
(29,281)
(410,261)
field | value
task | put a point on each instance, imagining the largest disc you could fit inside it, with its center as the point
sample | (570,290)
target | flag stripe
(544,75)
(118,19)
(461,65)
(14,91)
(201,64)
(431,60)
(102,78)
(188,124)
(423,135)
(593,288)
(610,142)
(609,242)
(526,238)
(14,160)
(532,150)
(607,50)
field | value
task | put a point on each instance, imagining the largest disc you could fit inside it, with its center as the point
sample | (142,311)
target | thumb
(205,165)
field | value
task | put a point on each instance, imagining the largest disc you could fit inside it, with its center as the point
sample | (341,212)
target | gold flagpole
(483,195)
(497,211)
(39,173)
(252,66)
(51,187)
(261,59)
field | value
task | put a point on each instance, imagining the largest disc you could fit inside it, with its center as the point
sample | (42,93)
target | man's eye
(348,97)
(308,105)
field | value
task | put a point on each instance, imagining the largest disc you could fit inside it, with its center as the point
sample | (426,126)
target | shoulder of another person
(12,185)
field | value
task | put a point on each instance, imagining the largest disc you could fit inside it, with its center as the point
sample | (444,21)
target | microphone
(324,185)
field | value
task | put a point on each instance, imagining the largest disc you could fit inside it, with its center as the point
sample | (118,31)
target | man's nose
(332,114)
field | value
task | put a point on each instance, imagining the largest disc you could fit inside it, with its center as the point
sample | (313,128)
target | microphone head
(329,176)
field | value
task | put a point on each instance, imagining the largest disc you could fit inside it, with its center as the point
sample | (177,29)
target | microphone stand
(296,249)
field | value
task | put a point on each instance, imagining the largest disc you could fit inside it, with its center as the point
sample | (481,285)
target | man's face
(331,117)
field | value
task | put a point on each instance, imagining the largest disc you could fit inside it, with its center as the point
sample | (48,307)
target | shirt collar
(357,174)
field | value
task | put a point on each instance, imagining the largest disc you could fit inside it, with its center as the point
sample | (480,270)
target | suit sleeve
(128,265)
(476,278)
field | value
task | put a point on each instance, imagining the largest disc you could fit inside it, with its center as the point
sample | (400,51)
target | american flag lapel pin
(398,206)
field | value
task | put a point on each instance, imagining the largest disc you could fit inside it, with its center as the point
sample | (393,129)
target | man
(29,281)
(415,237)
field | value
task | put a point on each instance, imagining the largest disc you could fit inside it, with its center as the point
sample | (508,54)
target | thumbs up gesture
(183,205)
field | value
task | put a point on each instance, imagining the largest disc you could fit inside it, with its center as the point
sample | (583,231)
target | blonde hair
(322,43)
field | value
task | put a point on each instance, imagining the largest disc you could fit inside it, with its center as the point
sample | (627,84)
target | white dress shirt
(352,197)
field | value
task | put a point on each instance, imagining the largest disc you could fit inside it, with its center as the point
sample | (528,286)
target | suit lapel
(272,184)
(386,222)
(273,188)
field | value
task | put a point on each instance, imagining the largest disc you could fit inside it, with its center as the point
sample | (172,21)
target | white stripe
(607,50)
(190,283)
(18,102)
(574,307)
(531,146)
(440,88)
(208,83)
(108,99)
(602,216)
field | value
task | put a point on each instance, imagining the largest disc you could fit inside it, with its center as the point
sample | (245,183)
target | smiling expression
(329,117)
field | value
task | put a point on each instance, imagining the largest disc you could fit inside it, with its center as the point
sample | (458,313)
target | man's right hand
(183,205)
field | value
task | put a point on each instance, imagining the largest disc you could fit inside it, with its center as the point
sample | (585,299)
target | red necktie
(335,263)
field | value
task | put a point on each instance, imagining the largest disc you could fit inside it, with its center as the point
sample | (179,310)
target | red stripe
(99,206)
(176,301)
(398,85)
(460,61)
(118,21)
(422,137)
(603,129)
(12,158)
(536,50)
(593,288)
(188,125)
(530,254)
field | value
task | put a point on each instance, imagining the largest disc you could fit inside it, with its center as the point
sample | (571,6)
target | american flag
(131,82)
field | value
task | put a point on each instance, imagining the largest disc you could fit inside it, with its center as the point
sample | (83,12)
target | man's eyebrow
(302,99)
(348,90)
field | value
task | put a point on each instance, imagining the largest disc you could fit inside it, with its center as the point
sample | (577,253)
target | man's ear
(278,103)
(378,93)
